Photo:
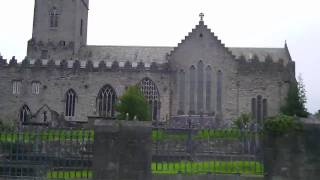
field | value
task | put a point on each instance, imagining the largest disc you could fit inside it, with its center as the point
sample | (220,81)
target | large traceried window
(192,90)
(219,92)
(264,109)
(259,109)
(208,89)
(181,87)
(54,17)
(200,88)
(151,93)
(35,87)
(105,102)
(25,114)
(70,103)
(16,87)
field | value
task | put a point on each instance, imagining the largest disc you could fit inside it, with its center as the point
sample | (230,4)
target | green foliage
(184,167)
(204,167)
(6,125)
(76,174)
(161,135)
(133,104)
(46,136)
(242,122)
(296,100)
(282,124)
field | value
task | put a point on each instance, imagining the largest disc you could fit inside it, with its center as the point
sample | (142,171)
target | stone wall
(57,77)
(242,79)
(122,150)
(295,156)
(206,177)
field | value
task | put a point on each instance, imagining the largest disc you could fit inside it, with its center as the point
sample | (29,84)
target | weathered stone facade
(199,77)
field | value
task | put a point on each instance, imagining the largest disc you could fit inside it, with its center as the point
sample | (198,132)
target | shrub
(243,121)
(282,124)
(133,104)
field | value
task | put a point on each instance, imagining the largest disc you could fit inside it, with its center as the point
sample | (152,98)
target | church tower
(59,29)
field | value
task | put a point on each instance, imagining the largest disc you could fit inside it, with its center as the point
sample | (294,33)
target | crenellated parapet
(3,62)
(83,65)
(267,66)
(32,43)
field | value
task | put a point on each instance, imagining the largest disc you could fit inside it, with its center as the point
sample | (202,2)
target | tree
(318,114)
(133,105)
(296,100)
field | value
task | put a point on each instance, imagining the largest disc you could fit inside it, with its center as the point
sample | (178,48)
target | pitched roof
(146,54)
(149,54)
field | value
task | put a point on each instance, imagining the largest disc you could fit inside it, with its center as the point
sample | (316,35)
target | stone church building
(64,79)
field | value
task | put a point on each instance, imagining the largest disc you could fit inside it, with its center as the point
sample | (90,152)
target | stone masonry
(199,77)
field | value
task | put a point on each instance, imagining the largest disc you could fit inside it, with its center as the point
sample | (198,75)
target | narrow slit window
(16,87)
(54,18)
(35,86)
(70,103)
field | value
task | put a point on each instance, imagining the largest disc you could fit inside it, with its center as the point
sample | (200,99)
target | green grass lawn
(84,174)
(160,135)
(182,167)
(49,135)
(85,135)
(223,167)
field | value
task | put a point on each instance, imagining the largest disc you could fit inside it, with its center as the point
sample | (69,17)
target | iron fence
(43,152)
(203,151)
(48,153)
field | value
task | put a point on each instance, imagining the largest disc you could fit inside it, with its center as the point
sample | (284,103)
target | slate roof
(149,54)
(146,54)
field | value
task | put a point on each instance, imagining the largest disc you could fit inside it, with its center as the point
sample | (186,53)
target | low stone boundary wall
(206,177)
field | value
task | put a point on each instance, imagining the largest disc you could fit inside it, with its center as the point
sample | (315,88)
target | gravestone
(122,150)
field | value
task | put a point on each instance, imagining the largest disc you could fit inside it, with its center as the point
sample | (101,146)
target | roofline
(257,47)
(287,50)
(129,46)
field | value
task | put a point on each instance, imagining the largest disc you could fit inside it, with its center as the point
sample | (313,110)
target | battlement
(255,65)
(82,65)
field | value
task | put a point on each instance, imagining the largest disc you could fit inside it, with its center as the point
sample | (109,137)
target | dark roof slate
(158,54)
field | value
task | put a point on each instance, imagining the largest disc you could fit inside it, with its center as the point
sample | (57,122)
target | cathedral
(64,81)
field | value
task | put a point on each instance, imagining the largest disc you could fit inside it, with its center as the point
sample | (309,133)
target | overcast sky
(238,23)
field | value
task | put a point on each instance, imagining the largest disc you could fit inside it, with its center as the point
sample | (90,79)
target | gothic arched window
(25,114)
(105,101)
(35,87)
(151,93)
(192,90)
(181,88)
(200,88)
(208,89)
(70,102)
(254,108)
(219,92)
(259,109)
(264,109)
(54,17)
